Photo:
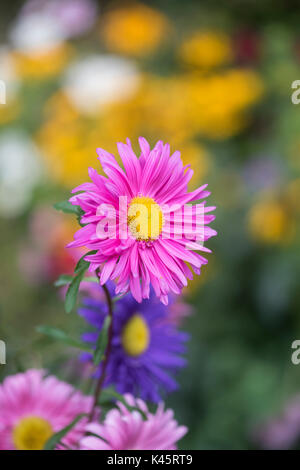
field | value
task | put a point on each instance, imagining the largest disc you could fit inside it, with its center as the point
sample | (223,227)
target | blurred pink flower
(126,430)
(34,406)
(74,17)
(281,432)
(179,311)
(43,256)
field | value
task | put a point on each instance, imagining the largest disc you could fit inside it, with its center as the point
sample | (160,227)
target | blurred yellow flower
(40,65)
(174,109)
(162,109)
(269,221)
(68,140)
(9,112)
(11,83)
(197,156)
(293,194)
(217,104)
(206,49)
(181,107)
(134,30)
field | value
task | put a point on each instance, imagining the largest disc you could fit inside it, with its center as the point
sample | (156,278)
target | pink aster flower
(127,430)
(179,311)
(157,251)
(33,407)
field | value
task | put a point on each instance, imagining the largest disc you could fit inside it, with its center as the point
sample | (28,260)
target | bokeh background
(214,80)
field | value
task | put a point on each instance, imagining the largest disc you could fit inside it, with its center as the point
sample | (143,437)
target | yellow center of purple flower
(135,336)
(145,218)
(32,433)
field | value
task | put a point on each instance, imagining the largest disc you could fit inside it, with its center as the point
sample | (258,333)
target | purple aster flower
(146,349)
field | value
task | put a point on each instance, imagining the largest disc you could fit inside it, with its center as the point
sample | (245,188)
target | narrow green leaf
(60,335)
(66,279)
(118,297)
(82,264)
(97,435)
(91,279)
(72,292)
(55,439)
(102,341)
(68,208)
(109,394)
(63,280)
(135,408)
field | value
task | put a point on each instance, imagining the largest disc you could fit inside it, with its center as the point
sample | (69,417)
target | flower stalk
(101,379)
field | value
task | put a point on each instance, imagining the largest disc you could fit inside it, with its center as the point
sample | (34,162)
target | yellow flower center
(135,336)
(31,433)
(145,218)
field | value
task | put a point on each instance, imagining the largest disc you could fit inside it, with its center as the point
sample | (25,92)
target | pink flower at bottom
(127,430)
(33,407)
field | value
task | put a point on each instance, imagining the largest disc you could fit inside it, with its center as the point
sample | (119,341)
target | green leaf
(97,435)
(102,341)
(68,208)
(82,264)
(55,439)
(60,335)
(119,297)
(91,279)
(63,280)
(109,393)
(72,292)
(66,279)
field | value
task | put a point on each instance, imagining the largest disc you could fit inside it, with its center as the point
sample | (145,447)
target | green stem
(101,379)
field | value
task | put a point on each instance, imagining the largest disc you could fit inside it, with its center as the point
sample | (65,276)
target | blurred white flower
(8,73)
(98,80)
(20,171)
(43,24)
(36,32)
